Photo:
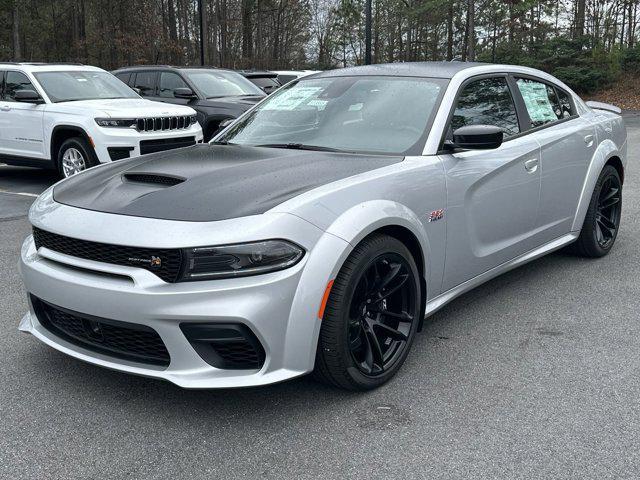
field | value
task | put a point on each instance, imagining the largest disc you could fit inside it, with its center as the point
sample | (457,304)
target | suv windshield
(213,83)
(77,85)
(388,115)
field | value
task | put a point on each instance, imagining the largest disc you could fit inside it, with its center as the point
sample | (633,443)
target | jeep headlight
(240,260)
(116,122)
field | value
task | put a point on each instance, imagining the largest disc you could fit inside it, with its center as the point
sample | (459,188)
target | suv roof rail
(52,63)
(144,66)
(41,63)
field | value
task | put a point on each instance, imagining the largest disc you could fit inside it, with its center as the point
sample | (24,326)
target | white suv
(72,117)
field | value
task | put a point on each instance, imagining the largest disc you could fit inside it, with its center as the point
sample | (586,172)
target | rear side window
(124,77)
(169,81)
(566,106)
(486,102)
(542,102)
(15,81)
(146,83)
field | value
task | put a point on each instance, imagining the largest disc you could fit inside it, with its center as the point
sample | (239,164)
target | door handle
(531,165)
(588,140)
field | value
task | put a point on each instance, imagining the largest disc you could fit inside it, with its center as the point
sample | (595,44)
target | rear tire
(74,156)
(371,316)
(602,221)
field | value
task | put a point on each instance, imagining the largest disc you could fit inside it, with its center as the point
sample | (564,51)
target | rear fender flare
(606,150)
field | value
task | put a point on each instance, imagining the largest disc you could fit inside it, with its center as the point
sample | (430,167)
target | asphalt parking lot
(535,374)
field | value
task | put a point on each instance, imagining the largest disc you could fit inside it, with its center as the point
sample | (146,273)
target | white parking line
(24,194)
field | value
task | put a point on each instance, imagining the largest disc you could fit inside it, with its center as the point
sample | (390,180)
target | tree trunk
(471,34)
(17,54)
(450,32)
(247,29)
(579,22)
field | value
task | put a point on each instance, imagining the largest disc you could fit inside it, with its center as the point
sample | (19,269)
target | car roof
(405,69)
(48,67)
(168,68)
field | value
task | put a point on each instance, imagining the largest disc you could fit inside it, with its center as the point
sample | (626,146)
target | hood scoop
(153,179)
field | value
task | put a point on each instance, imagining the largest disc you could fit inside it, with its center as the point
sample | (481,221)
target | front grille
(155,124)
(124,340)
(162,144)
(165,263)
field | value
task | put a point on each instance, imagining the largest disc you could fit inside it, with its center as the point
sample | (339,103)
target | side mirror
(478,137)
(183,93)
(137,90)
(27,96)
(225,123)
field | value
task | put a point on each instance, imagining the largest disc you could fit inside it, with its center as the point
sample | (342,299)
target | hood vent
(153,178)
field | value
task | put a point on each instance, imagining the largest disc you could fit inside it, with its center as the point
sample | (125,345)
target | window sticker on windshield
(321,104)
(292,98)
(537,102)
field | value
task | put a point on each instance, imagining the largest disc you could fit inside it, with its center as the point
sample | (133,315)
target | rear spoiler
(604,106)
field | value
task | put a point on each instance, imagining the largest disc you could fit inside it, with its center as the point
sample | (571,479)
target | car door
(21,123)
(145,82)
(492,195)
(567,144)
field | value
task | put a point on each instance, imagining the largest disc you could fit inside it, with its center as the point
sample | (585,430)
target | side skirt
(26,161)
(441,300)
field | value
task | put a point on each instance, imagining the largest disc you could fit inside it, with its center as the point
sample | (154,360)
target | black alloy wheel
(602,220)
(381,314)
(371,316)
(608,211)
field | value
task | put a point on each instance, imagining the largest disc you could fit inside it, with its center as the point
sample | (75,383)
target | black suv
(215,94)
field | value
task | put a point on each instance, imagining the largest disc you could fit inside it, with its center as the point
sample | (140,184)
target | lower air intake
(122,340)
(227,346)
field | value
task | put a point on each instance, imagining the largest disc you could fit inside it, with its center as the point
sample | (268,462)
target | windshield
(75,85)
(213,83)
(389,115)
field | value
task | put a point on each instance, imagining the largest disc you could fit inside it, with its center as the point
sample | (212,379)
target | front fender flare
(327,257)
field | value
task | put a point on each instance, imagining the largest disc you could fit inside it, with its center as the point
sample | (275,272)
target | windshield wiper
(299,146)
(222,142)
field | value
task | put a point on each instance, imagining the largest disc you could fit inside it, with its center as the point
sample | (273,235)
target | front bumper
(128,139)
(279,308)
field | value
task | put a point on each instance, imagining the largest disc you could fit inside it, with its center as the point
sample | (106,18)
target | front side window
(486,102)
(77,85)
(146,83)
(387,115)
(16,81)
(215,84)
(541,102)
(169,81)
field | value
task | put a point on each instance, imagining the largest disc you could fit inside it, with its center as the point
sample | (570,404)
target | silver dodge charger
(316,232)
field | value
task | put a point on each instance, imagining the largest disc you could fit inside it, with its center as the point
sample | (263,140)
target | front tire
(371,316)
(74,156)
(602,220)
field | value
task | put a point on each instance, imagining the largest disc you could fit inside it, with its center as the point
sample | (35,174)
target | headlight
(116,122)
(240,260)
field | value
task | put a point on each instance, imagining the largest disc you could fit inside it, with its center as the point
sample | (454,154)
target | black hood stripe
(221,181)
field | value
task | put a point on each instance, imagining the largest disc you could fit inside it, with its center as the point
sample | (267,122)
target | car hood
(209,182)
(235,102)
(125,107)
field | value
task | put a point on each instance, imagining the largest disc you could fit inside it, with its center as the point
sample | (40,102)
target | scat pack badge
(436,215)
